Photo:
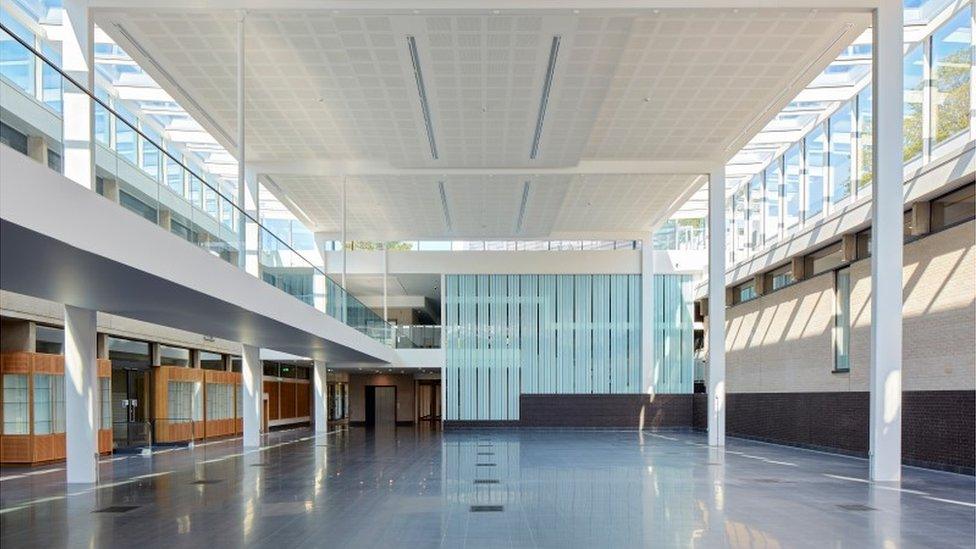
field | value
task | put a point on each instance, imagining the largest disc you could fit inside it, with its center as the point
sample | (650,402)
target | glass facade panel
(841,126)
(220,401)
(49,412)
(951,67)
(755,212)
(865,136)
(842,321)
(49,340)
(791,187)
(173,356)
(553,334)
(18,62)
(815,149)
(16,402)
(774,179)
(740,218)
(914,84)
(211,361)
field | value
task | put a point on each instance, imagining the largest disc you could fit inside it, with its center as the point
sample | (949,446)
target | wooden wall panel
(287,400)
(15,363)
(302,406)
(104,441)
(15,448)
(271,387)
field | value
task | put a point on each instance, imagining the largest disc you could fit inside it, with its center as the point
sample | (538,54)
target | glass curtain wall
(831,165)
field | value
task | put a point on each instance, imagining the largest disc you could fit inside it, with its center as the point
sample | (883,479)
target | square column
(80,395)
(253,389)
(321,400)
(716,307)
(648,375)
(886,245)
(77,54)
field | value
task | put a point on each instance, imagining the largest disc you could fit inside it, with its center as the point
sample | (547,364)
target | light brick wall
(781,342)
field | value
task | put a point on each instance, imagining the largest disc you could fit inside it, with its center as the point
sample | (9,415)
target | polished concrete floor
(415,487)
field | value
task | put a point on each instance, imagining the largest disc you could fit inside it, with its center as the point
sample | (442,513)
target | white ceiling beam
(462,5)
(586,167)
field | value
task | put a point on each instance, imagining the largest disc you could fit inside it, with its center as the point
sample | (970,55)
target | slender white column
(321,397)
(77,52)
(247,181)
(80,395)
(253,394)
(344,242)
(716,307)
(886,244)
(386,271)
(648,377)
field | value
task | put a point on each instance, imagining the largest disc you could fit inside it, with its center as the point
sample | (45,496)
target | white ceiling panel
(670,85)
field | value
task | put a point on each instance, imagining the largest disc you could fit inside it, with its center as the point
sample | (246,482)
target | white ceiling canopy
(510,104)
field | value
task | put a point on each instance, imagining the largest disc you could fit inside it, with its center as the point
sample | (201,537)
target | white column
(886,244)
(386,272)
(251,372)
(320,375)
(247,182)
(77,52)
(343,230)
(80,395)
(716,307)
(648,377)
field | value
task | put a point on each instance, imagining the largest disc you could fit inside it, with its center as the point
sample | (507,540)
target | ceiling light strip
(422,91)
(447,212)
(544,100)
(525,201)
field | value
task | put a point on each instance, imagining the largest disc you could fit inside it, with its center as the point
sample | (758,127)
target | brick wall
(606,410)
(937,426)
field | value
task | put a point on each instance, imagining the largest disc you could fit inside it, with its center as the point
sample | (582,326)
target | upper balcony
(131,169)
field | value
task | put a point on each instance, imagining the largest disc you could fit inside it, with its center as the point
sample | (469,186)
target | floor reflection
(423,487)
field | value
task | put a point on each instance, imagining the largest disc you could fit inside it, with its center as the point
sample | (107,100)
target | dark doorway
(381,405)
(130,408)
(429,400)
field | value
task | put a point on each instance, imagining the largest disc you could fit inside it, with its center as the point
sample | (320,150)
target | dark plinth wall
(620,411)
(938,427)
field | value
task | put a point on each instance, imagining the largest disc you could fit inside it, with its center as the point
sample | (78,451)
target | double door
(130,408)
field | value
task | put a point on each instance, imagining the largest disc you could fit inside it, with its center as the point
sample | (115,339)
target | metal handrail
(165,152)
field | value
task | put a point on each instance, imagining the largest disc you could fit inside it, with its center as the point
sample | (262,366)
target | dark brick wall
(829,421)
(939,429)
(699,411)
(606,410)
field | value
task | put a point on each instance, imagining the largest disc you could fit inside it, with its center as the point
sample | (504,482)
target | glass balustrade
(418,337)
(132,170)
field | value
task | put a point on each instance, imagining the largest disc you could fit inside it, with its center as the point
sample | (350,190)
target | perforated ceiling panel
(322,85)
(690,81)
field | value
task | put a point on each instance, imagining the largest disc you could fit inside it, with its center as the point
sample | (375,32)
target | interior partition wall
(674,335)
(508,335)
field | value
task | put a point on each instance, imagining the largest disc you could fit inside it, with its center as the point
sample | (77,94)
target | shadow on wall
(783,341)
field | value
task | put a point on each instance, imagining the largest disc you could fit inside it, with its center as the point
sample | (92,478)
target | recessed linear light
(447,212)
(544,100)
(422,92)
(521,215)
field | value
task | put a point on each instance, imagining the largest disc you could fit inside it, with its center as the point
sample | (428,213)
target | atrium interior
(662,273)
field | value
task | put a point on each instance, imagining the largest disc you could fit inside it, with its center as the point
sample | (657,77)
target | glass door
(130,415)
